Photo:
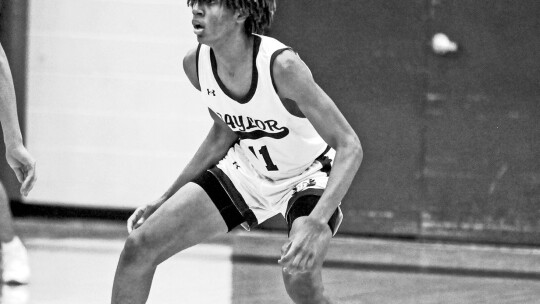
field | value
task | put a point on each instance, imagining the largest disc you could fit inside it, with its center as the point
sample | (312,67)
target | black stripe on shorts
(302,203)
(226,198)
(221,200)
(236,198)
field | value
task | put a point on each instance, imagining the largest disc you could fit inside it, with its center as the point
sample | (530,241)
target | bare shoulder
(190,67)
(3,57)
(288,63)
(291,74)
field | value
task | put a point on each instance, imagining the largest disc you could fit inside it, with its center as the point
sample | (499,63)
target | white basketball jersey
(276,143)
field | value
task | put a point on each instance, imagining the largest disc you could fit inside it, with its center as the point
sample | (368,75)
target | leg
(308,287)
(186,219)
(15,265)
(7,232)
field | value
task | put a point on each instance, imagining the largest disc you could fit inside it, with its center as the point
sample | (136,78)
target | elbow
(354,150)
(358,152)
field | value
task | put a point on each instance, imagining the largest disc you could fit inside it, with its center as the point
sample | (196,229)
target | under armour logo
(213,92)
(236,165)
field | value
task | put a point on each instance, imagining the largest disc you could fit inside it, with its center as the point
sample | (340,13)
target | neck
(234,52)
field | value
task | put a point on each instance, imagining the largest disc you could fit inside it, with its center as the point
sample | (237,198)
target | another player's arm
(8,107)
(294,81)
(18,158)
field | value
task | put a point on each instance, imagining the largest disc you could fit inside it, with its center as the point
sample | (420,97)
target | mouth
(198,27)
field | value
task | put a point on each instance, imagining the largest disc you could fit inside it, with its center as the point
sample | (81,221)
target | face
(212,21)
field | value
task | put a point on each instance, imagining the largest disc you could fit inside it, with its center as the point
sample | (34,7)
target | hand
(24,166)
(139,216)
(307,245)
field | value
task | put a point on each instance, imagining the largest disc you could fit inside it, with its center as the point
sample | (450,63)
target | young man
(15,266)
(274,139)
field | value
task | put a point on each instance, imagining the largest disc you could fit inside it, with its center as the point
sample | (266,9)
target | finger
(133,224)
(139,222)
(129,227)
(310,262)
(297,265)
(20,177)
(133,219)
(129,223)
(284,249)
(19,173)
(141,218)
(289,256)
(29,181)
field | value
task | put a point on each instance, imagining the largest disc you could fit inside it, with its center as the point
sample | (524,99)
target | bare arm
(211,151)
(310,235)
(18,158)
(294,81)
(8,106)
(214,147)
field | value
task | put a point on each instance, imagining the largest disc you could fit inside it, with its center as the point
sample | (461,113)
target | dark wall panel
(368,56)
(452,143)
(482,168)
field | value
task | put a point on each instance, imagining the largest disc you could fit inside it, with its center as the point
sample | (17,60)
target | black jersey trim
(254,74)
(197,61)
(272,59)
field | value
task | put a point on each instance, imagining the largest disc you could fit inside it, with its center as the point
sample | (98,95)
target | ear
(241,15)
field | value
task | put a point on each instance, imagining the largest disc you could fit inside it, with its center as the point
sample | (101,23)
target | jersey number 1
(270,166)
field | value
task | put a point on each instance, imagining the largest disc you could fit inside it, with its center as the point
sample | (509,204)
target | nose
(196,9)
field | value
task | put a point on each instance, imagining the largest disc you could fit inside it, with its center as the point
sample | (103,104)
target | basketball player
(15,266)
(278,144)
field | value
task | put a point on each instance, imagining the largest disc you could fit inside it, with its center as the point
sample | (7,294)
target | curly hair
(260,12)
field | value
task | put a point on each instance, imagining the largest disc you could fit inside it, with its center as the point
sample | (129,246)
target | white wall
(112,118)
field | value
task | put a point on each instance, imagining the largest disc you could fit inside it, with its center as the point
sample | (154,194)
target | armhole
(272,59)
(197,61)
(289,104)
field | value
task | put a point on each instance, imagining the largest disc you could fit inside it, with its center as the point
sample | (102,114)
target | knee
(304,288)
(137,250)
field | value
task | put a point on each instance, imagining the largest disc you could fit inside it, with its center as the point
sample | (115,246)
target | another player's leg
(307,287)
(186,219)
(15,264)
(7,232)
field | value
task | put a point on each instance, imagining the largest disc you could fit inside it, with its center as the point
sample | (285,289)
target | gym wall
(452,142)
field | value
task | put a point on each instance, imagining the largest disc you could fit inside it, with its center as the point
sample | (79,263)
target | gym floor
(73,261)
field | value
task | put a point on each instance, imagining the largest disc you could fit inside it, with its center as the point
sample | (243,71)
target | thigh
(302,203)
(186,219)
